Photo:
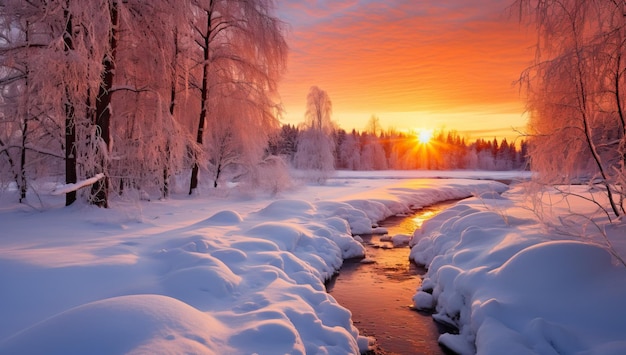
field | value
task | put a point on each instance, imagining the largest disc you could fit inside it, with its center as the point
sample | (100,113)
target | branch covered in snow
(63,189)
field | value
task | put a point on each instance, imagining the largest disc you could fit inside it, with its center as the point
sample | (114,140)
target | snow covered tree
(238,138)
(150,129)
(284,143)
(87,53)
(316,144)
(241,54)
(350,151)
(43,80)
(18,103)
(372,154)
(576,95)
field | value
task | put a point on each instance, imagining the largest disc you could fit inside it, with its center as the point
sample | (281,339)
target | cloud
(400,55)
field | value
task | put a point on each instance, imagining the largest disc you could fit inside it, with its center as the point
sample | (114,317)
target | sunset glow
(411,63)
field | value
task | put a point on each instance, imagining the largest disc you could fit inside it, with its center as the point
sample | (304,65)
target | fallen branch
(63,189)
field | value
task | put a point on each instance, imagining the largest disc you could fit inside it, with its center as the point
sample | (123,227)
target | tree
(102,113)
(71,176)
(18,99)
(315,144)
(238,137)
(242,52)
(350,151)
(373,126)
(576,95)
(372,154)
(150,129)
(35,49)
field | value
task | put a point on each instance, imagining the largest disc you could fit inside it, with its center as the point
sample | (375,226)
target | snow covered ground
(236,274)
(514,286)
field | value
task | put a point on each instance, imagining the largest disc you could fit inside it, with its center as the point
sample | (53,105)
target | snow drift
(511,287)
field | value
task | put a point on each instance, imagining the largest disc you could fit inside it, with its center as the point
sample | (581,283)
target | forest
(132,93)
(391,149)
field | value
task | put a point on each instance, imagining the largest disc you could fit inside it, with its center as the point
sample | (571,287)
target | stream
(380,294)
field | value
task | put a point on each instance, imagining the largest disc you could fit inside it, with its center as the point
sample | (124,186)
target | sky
(415,64)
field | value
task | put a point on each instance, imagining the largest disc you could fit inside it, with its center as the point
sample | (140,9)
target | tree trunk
(204,95)
(22,183)
(168,151)
(11,162)
(70,128)
(22,167)
(217,175)
(622,120)
(100,189)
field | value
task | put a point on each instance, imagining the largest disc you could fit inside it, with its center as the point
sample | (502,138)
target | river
(380,294)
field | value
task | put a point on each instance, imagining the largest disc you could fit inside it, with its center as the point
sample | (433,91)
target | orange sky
(415,64)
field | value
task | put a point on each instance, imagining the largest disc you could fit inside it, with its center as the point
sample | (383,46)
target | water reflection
(380,294)
(419,220)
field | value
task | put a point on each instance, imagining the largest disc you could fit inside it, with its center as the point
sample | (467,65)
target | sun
(424,135)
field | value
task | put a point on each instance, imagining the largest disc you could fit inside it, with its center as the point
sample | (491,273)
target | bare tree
(373,126)
(71,176)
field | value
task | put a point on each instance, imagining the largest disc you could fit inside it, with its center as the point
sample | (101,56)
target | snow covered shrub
(271,175)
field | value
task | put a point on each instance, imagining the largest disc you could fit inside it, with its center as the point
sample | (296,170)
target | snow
(244,275)
(512,286)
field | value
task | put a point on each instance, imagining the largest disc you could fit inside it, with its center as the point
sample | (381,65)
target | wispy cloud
(403,55)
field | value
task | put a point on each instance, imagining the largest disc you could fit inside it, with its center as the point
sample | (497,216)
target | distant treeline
(402,151)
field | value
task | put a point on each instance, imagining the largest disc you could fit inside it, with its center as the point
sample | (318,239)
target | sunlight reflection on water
(379,295)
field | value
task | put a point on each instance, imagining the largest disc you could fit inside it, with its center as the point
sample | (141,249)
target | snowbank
(195,276)
(226,284)
(511,287)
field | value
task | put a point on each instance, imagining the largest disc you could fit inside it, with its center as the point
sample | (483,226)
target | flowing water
(380,294)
